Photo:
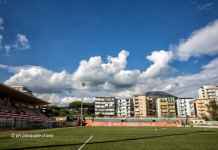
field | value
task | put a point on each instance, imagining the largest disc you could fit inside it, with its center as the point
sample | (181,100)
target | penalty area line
(84,144)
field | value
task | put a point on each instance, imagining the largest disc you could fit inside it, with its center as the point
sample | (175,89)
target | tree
(57,111)
(88,108)
(213,110)
(75,105)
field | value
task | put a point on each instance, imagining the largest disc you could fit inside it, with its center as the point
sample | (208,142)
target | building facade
(151,103)
(105,106)
(155,104)
(123,107)
(139,104)
(166,107)
(185,107)
(208,92)
(202,107)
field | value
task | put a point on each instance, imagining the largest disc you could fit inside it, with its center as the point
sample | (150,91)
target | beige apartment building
(208,92)
(154,104)
(166,107)
(202,107)
(139,102)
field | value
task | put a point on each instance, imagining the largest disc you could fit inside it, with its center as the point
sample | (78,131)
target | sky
(117,47)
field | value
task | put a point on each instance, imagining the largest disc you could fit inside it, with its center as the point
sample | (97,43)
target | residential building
(147,105)
(193,111)
(154,103)
(123,107)
(208,92)
(139,103)
(105,106)
(151,105)
(166,106)
(185,107)
(202,107)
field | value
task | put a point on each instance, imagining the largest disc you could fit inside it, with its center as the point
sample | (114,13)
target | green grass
(115,138)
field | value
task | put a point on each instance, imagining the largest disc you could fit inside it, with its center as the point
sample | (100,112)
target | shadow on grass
(113,141)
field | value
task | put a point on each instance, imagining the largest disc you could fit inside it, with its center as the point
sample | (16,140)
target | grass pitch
(112,138)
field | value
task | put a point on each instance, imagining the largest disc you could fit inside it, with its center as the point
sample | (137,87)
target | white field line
(84,144)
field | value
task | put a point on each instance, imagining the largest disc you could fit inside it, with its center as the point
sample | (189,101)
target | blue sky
(62,33)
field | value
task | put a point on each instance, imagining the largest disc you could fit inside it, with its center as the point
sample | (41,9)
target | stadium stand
(19,110)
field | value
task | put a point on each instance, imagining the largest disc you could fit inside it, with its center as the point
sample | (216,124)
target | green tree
(88,108)
(213,110)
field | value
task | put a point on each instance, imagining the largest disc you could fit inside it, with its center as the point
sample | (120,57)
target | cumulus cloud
(160,60)
(126,78)
(91,71)
(63,87)
(101,78)
(39,79)
(188,84)
(95,72)
(201,42)
(115,64)
(181,85)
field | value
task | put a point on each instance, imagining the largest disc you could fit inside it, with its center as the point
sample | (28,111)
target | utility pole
(81,113)
(81,108)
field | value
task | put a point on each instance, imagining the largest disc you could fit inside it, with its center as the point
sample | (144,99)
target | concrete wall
(135,124)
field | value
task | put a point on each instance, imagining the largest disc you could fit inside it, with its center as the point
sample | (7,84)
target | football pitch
(111,138)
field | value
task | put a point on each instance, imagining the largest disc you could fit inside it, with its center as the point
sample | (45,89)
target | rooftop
(158,94)
(20,96)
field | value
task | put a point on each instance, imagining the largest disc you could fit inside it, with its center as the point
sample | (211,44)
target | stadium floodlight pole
(81,109)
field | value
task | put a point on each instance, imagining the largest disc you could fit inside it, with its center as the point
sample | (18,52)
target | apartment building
(151,101)
(202,107)
(185,107)
(208,92)
(166,107)
(156,101)
(139,102)
(105,106)
(150,104)
(123,107)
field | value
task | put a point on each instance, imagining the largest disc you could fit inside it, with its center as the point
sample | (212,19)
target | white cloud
(22,42)
(126,78)
(116,64)
(1,39)
(61,87)
(7,49)
(201,42)
(181,85)
(95,71)
(40,79)
(188,84)
(101,78)
(91,71)
(62,100)
(205,6)
(160,60)
(1,24)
